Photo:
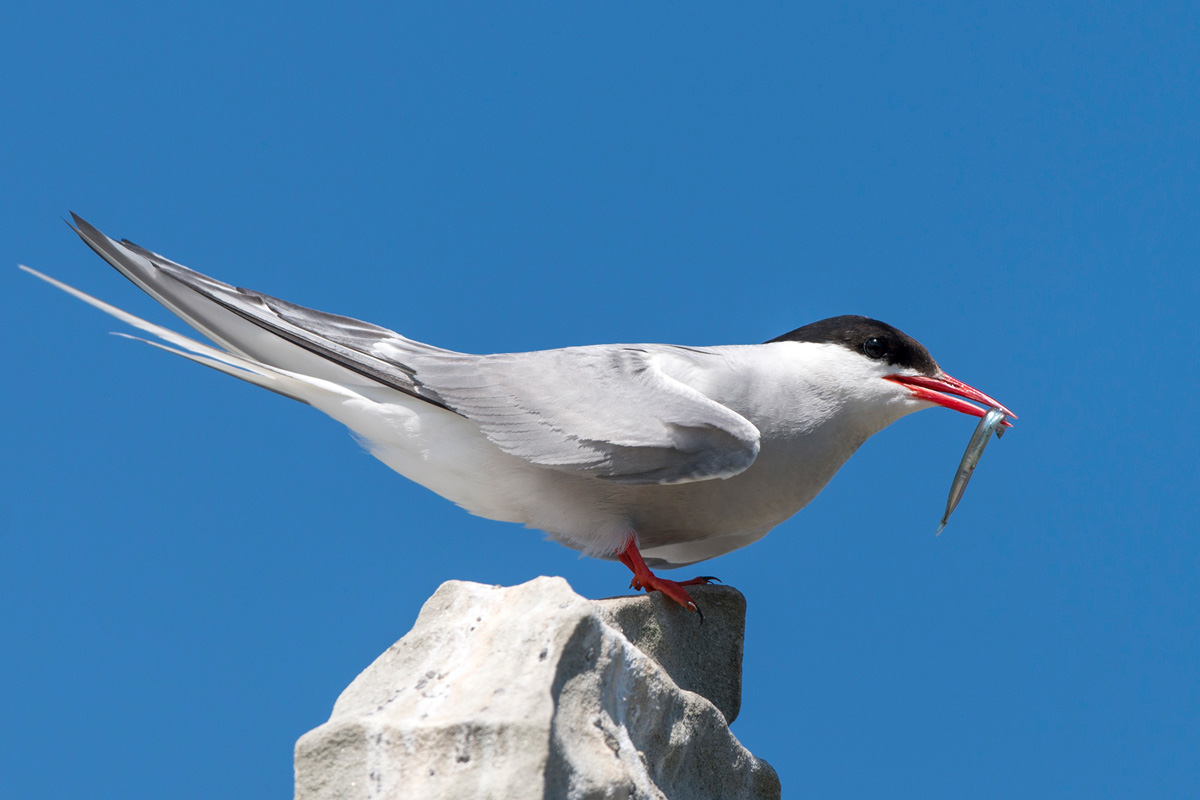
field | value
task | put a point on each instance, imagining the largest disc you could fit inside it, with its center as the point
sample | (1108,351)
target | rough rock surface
(705,658)
(532,691)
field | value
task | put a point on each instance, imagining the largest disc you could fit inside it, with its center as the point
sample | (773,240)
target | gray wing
(608,411)
(265,328)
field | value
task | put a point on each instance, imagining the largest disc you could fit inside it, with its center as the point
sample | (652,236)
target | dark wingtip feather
(92,237)
(82,226)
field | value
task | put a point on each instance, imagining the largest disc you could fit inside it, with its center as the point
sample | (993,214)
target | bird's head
(891,369)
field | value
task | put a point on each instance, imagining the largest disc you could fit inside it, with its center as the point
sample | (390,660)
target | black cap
(868,337)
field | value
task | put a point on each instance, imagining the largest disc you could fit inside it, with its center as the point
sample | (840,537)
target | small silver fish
(991,421)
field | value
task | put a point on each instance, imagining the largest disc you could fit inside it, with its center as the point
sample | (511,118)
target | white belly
(675,524)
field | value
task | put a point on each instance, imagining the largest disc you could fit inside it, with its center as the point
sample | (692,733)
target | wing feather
(607,411)
(265,328)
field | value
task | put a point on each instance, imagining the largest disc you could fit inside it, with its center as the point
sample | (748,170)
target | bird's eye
(874,348)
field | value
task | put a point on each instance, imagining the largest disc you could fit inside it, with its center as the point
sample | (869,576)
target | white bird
(653,454)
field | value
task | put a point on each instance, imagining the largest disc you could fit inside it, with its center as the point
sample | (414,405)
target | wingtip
(82,226)
(76,222)
(94,238)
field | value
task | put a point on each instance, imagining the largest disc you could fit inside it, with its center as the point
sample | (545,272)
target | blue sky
(191,569)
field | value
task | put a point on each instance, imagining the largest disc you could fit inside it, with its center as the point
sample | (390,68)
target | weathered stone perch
(532,691)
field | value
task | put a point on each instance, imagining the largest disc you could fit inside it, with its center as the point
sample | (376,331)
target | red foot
(646,580)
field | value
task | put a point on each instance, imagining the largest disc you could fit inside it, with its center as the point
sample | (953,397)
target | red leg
(643,578)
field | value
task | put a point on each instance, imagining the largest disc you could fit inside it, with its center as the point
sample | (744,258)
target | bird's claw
(645,580)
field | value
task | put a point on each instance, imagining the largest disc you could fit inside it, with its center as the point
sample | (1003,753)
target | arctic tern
(653,454)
